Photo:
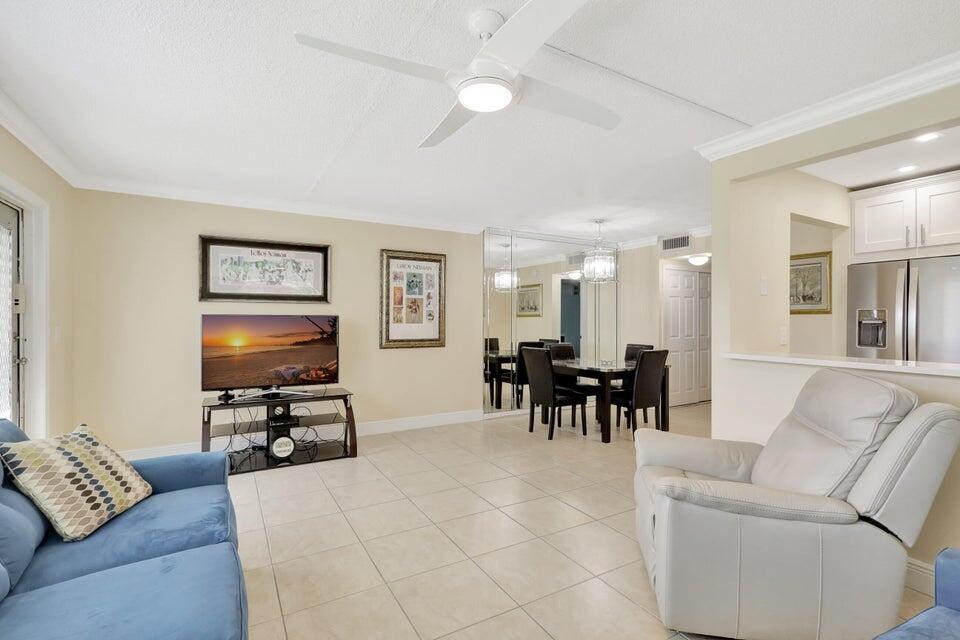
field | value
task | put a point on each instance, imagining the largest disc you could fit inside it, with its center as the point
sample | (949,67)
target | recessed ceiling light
(927,137)
(908,168)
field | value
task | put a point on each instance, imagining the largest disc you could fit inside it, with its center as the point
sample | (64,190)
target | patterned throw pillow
(78,482)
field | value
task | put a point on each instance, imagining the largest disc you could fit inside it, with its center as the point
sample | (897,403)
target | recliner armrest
(727,459)
(752,500)
(184,471)
(947,579)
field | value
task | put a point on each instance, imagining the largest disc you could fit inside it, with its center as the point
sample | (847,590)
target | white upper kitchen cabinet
(938,214)
(885,222)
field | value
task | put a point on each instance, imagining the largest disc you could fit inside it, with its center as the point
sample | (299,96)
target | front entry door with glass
(11,360)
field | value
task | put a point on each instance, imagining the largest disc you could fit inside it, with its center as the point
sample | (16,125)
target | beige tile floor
(463,532)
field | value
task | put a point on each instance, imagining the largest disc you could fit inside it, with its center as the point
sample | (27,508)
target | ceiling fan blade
(377,60)
(525,32)
(547,97)
(456,118)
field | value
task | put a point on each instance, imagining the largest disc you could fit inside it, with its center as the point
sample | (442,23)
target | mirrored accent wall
(534,290)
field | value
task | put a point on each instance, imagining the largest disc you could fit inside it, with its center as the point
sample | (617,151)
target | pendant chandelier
(505,279)
(599,264)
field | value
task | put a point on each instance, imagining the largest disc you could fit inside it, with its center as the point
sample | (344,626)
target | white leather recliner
(803,538)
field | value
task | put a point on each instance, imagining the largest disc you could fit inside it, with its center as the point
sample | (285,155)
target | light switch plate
(784,336)
(763,285)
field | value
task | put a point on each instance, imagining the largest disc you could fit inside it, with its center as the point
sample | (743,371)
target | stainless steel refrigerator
(905,310)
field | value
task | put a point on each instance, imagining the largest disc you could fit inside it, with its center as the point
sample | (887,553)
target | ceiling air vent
(677,242)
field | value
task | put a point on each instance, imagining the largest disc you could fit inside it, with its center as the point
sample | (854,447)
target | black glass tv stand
(271,393)
(323,412)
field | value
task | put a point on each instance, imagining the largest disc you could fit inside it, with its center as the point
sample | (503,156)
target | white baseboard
(920,576)
(371,428)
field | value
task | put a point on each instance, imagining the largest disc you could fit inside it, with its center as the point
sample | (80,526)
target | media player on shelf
(259,355)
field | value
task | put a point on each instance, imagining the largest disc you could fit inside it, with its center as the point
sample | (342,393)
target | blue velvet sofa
(166,568)
(942,620)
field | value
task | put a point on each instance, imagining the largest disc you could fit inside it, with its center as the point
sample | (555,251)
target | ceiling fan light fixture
(485,94)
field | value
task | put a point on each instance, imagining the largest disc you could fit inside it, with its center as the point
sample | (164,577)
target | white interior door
(679,310)
(704,342)
(10,360)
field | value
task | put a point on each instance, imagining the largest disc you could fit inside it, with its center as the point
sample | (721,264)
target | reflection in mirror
(534,293)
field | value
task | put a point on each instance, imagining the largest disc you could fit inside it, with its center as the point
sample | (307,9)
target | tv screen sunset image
(243,351)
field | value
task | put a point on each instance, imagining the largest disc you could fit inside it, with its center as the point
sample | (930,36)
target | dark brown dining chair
(633,350)
(642,389)
(544,391)
(490,344)
(566,351)
(521,379)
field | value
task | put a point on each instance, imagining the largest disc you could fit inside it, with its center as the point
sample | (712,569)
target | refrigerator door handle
(914,285)
(899,313)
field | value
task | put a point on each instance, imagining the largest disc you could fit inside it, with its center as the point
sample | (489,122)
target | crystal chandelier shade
(505,279)
(599,264)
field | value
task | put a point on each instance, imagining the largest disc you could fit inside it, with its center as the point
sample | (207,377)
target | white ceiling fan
(492,80)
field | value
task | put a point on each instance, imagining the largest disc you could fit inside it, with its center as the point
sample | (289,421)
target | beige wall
(136,270)
(749,398)
(124,277)
(760,213)
(640,270)
(22,166)
(817,333)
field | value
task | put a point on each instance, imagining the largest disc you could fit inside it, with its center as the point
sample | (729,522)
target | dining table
(605,372)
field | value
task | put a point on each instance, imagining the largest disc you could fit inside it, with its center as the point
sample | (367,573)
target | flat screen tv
(263,351)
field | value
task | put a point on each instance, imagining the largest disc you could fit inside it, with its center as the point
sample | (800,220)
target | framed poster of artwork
(252,270)
(530,301)
(811,283)
(412,299)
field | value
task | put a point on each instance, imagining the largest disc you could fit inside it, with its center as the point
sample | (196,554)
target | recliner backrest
(899,484)
(839,421)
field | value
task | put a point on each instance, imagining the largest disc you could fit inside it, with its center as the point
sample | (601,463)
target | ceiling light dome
(699,261)
(485,94)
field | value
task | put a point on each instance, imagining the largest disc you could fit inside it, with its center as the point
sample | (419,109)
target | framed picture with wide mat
(256,270)
(412,299)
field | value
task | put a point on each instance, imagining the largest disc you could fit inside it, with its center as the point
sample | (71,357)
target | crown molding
(281,205)
(917,81)
(21,127)
(649,241)
(701,232)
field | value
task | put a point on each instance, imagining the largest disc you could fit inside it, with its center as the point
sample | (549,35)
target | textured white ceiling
(213,100)
(880,164)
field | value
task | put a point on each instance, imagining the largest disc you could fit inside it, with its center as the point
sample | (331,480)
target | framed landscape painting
(530,301)
(412,299)
(251,270)
(811,284)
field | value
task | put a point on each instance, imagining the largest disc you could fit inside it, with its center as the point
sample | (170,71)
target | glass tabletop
(596,364)
(500,353)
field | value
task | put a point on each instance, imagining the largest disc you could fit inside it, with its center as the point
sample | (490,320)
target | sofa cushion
(4,582)
(936,623)
(838,422)
(188,595)
(17,543)
(163,523)
(78,482)
(9,432)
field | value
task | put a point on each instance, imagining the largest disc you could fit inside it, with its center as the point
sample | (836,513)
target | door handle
(923,235)
(898,314)
(907,237)
(912,305)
